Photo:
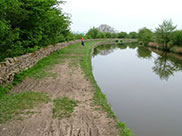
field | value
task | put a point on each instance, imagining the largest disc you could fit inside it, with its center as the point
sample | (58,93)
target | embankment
(174,49)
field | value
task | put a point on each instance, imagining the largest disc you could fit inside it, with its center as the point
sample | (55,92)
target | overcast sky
(123,15)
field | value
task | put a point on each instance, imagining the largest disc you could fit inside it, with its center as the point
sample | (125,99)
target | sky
(123,15)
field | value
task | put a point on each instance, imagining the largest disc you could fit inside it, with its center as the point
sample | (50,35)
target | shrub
(176,38)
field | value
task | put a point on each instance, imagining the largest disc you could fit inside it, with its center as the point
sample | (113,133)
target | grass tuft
(14,104)
(63,107)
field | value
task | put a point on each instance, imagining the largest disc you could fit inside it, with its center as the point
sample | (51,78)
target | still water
(144,87)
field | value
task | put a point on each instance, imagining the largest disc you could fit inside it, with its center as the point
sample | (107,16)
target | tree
(122,35)
(108,35)
(163,33)
(93,33)
(106,29)
(145,35)
(26,24)
(133,35)
(101,35)
(176,38)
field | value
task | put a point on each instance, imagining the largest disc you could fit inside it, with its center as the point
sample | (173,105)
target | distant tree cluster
(26,25)
(106,31)
(165,34)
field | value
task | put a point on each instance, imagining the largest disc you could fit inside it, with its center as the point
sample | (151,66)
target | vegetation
(63,107)
(122,35)
(145,35)
(163,33)
(133,35)
(27,25)
(95,33)
(14,105)
(106,29)
(40,70)
(176,38)
(165,37)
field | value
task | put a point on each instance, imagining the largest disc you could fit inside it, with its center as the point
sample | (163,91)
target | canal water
(143,86)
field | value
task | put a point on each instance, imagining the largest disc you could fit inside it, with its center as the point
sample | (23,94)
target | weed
(63,107)
(4,90)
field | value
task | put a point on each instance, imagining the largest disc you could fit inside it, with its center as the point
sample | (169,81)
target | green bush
(176,38)
(30,23)
(122,35)
(117,41)
(145,36)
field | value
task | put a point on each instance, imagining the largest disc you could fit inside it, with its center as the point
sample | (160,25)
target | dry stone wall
(12,66)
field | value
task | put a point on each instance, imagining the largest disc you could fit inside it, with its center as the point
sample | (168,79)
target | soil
(86,120)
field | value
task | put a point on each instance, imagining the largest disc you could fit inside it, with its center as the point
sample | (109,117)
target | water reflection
(143,86)
(107,49)
(164,65)
(144,52)
(132,45)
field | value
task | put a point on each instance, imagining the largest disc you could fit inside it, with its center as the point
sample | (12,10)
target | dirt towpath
(70,81)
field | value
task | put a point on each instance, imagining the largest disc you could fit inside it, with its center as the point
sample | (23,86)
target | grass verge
(63,107)
(14,105)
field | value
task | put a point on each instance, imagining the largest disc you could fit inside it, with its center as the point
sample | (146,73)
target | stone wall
(12,66)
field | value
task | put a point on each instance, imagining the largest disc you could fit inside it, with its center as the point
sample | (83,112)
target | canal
(143,87)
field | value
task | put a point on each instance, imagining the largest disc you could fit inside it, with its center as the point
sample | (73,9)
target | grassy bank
(173,49)
(80,55)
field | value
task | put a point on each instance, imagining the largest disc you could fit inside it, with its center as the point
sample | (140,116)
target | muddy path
(87,119)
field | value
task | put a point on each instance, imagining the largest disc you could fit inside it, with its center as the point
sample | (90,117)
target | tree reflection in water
(107,49)
(144,52)
(164,65)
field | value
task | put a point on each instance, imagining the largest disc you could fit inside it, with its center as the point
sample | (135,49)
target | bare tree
(106,29)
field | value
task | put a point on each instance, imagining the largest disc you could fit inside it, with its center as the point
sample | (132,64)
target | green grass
(41,69)
(13,105)
(63,107)
(4,90)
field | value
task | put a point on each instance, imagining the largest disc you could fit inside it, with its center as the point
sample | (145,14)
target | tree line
(94,33)
(27,25)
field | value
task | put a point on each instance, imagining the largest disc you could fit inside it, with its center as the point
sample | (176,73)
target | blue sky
(123,15)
